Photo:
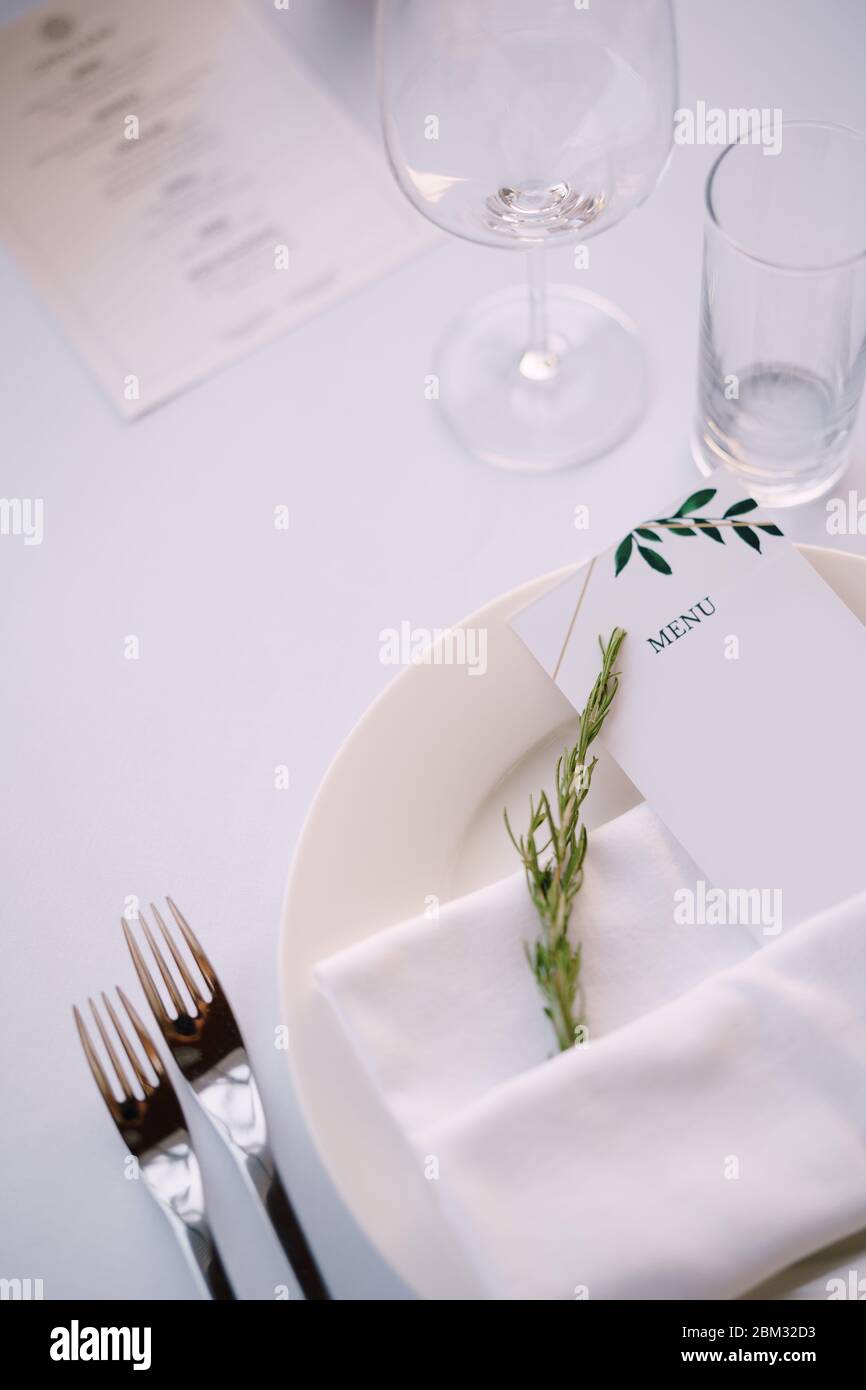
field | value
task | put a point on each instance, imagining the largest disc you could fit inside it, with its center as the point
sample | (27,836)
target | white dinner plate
(413,801)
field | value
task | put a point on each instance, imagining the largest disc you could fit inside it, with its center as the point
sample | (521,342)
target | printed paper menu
(179,189)
(740,714)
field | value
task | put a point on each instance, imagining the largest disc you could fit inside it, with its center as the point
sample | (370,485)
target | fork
(155,1132)
(210,1051)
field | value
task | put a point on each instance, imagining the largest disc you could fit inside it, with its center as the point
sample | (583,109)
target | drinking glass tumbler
(783,322)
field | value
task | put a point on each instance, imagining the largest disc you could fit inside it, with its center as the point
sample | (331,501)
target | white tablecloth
(259,648)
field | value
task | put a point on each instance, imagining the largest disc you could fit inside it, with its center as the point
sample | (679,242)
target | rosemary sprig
(554,869)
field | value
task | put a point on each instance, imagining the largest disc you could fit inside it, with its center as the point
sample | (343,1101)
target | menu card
(740,714)
(180,189)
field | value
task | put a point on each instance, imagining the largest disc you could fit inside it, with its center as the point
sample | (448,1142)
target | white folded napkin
(691,1154)
(440,1011)
(711,1132)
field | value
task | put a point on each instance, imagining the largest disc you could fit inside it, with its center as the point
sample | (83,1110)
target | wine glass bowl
(519,134)
(522,124)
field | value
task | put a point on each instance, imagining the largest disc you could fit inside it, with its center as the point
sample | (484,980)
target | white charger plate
(414,802)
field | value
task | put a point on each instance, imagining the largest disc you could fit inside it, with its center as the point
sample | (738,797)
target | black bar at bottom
(66,1336)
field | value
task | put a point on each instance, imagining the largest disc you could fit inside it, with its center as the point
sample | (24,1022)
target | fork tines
(96,1066)
(144,975)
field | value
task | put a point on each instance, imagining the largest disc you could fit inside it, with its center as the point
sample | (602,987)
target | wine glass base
(537,413)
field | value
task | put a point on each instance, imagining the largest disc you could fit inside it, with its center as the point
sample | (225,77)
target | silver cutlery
(210,1051)
(154,1130)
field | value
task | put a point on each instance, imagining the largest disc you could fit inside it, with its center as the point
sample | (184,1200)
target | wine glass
(524,124)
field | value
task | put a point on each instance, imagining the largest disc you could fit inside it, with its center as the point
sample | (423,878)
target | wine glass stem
(539,362)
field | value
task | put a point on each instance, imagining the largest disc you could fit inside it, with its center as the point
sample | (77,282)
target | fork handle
(234,1104)
(202,1256)
(259,1170)
(291,1236)
(213,1273)
(174,1177)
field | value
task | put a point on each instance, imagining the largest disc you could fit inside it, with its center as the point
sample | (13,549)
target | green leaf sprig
(554,869)
(684,523)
